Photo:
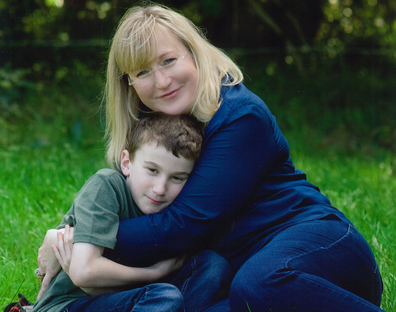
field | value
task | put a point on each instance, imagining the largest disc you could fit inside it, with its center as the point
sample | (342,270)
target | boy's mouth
(155,202)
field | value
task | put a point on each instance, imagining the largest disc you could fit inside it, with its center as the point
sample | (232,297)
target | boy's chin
(151,210)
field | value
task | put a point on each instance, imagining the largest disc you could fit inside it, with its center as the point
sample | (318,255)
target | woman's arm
(236,157)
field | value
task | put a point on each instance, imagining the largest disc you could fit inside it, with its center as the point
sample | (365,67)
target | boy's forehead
(152,147)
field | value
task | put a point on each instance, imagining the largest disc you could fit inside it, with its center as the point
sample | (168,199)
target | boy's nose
(159,188)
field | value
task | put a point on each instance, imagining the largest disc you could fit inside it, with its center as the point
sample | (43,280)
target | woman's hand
(63,249)
(166,267)
(47,262)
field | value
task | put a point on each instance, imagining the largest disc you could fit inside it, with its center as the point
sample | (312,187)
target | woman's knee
(282,271)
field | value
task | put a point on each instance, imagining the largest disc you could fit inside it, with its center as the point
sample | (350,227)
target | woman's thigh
(151,298)
(323,265)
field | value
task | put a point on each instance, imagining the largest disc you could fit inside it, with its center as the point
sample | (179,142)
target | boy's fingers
(57,253)
(71,237)
(182,259)
(68,242)
(66,235)
(60,246)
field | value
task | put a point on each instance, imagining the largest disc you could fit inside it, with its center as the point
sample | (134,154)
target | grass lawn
(48,150)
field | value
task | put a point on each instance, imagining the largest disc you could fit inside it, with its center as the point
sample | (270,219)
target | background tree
(338,55)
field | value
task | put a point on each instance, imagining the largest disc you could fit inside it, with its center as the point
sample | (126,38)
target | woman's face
(168,90)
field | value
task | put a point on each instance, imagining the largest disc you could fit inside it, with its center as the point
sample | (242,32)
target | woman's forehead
(144,48)
(167,41)
(161,40)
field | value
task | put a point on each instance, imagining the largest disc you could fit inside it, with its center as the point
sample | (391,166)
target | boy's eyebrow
(156,165)
(182,173)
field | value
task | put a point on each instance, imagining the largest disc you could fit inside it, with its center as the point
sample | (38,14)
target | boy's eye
(179,179)
(152,170)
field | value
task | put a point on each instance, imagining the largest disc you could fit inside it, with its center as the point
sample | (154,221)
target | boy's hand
(166,267)
(48,265)
(63,249)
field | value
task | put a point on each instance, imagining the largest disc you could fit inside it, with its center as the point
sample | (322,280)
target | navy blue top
(243,190)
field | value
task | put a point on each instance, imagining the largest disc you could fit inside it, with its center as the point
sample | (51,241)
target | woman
(290,250)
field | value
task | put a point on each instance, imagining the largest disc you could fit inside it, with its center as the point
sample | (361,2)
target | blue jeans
(323,265)
(151,298)
(203,281)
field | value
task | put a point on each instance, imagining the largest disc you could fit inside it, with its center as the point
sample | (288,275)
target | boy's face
(155,176)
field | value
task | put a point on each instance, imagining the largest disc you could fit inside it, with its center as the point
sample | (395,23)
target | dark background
(326,68)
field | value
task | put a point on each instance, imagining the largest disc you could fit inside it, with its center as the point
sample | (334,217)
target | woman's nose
(161,80)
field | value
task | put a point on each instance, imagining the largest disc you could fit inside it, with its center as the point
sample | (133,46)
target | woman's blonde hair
(133,47)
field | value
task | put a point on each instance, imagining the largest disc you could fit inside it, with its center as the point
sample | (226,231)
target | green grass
(365,191)
(37,187)
(50,143)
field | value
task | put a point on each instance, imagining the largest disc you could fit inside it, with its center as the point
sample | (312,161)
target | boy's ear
(125,163)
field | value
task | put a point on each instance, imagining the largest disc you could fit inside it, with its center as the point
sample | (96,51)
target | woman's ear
(125,163)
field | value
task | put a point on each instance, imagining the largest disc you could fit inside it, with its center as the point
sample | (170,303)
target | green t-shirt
(103,200)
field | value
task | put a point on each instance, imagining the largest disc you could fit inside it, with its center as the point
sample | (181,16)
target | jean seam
(186,282)
(138,303)
(343,237)
(321,248)
(330,289)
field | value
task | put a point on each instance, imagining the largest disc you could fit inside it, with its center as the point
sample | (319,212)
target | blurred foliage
(325,64)
(331,24)
(325,68)
(364,24)
(55,32)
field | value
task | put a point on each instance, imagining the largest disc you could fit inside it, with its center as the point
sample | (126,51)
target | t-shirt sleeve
(96,211)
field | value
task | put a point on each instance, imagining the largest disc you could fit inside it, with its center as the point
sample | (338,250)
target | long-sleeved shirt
(243,190)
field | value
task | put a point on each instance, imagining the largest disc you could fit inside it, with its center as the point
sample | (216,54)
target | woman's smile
(170,95)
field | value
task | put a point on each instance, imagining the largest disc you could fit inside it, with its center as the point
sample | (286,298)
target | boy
(160,155)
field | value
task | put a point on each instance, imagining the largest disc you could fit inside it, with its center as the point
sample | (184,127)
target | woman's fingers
(48,266)
(64,248)
(54,254)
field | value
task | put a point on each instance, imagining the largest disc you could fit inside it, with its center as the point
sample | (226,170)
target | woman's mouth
(170,95)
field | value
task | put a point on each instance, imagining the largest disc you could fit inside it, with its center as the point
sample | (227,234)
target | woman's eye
(152,170)
(142,74)
(168,62)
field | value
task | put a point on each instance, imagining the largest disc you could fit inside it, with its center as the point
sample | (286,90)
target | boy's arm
(88,268)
